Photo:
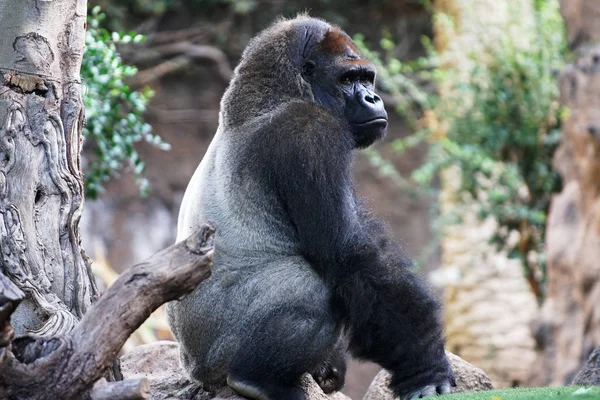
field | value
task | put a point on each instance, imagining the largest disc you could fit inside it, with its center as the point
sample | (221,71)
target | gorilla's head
(308,59)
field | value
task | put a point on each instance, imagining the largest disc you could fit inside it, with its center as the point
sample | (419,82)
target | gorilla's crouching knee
(302,272)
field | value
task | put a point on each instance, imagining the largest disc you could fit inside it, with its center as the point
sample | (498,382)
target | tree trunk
(488,305)
(45,279)
(66,367)
(41,188)
(569,328)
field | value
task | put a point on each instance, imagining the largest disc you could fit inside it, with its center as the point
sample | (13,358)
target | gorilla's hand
(429,390)
(436,379)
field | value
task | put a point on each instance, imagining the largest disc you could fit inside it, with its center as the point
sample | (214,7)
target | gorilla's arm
(392,318)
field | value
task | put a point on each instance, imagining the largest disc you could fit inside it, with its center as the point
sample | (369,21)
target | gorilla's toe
(429,390)
(329,377)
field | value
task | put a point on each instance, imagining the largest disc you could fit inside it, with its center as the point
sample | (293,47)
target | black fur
(317,267)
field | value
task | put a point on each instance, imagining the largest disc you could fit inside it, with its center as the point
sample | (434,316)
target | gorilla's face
(345,84)
(363,109)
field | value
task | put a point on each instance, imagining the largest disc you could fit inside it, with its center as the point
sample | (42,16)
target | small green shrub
(114,112)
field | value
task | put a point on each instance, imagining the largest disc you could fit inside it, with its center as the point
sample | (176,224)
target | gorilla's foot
(329,377)
(265,390)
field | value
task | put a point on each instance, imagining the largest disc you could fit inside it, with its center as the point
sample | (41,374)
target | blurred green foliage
(501,126)
(114,112)
(543,393)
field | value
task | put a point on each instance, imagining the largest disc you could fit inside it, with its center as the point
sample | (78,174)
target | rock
(313,392)
(469,378)
(581,18)
(568,329)
(159,362)
(590,373)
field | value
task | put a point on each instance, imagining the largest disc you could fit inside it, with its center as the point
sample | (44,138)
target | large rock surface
(581,17)
(569,328)
(159,362)
(590,373)
(468,379)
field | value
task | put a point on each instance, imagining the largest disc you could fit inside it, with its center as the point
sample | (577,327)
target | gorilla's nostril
(370,98)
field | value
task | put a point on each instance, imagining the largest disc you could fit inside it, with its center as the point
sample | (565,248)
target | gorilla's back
(226,190)
(257,266)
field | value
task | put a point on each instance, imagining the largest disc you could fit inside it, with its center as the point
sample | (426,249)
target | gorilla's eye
(308,68)
(361,74)
(367,78)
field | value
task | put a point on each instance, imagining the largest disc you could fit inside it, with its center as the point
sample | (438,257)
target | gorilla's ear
(308,68)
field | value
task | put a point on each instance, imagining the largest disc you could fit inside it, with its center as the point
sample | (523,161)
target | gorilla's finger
(444,388)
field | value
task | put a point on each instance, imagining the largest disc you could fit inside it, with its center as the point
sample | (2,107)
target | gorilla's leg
(284,345)
(394,321)
(331,374)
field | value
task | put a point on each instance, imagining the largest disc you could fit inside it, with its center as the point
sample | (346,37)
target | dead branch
(165,37)
(185,115)
(200,53)
(179,56)
(66,367)
(147,76)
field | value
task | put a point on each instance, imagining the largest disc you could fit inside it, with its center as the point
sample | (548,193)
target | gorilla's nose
(370,106)
(368,98)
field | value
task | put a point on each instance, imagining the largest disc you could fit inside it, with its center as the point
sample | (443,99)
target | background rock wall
(569,327)
(489,306)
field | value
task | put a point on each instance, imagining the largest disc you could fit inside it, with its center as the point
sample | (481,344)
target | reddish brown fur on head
(336,42)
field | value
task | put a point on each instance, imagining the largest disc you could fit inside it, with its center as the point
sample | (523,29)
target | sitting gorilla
(302,272)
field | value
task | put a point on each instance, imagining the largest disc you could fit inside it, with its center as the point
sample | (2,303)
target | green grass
(553,393)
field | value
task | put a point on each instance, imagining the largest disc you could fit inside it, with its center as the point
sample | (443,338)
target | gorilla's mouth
(372,122)
(365,133)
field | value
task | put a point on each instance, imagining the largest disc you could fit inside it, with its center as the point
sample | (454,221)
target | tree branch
(181,54)
(165,37)
(67,367)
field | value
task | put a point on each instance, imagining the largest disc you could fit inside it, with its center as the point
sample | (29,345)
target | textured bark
(45,277)
(66,367)
(569,328)
(488,304)
(41,189)
(10,297)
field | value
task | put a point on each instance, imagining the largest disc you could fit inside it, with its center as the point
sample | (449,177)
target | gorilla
(302,271)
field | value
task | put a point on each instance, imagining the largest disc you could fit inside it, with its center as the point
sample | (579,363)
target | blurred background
(489,175)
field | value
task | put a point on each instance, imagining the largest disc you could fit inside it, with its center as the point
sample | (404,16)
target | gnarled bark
(41,189)
(46,285)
